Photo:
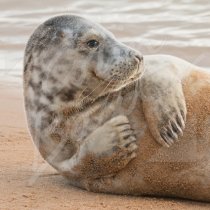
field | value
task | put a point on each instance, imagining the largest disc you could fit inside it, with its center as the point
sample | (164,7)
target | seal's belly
(181,170)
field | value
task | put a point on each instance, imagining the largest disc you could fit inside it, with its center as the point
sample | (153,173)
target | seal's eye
(93,43)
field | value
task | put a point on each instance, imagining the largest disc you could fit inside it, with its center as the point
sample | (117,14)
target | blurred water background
(176,27)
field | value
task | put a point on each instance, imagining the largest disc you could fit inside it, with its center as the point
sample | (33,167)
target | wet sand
(23,188)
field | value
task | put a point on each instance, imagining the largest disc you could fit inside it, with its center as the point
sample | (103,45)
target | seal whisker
(82,92)
(106,86)
(99,84)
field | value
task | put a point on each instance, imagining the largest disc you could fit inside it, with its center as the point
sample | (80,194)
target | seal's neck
(90,102)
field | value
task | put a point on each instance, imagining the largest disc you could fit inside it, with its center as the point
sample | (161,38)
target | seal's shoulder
(167,64)
(164,59)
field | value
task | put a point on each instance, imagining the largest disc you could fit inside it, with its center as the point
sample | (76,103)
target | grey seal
(110,119)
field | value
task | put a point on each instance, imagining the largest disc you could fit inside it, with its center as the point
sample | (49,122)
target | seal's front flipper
(106,151)
(164,106)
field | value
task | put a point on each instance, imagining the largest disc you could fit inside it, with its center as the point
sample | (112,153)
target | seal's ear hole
(93,43)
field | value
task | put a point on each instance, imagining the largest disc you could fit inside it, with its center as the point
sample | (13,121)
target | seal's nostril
(136,55)
(139,57)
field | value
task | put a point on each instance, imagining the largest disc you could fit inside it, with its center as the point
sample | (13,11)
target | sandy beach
(27,182)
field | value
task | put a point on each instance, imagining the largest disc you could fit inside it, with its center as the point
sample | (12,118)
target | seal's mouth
(97,77)
(115,82)
(137,74)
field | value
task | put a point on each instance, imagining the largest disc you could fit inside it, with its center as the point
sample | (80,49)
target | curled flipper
(164,106)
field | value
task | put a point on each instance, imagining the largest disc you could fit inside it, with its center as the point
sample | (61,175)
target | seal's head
(81,57)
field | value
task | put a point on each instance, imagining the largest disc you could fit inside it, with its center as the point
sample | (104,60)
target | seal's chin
(120,85)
